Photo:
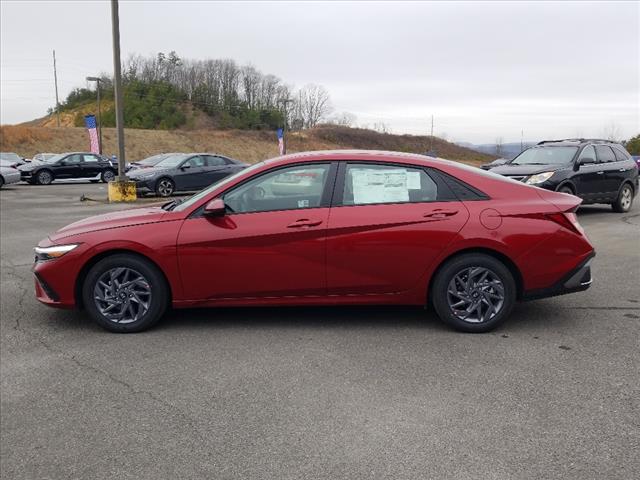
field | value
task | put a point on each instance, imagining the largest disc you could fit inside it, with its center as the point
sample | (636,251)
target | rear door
(216,169)
(90,166)
(271,243)
(609,165)
(388,224)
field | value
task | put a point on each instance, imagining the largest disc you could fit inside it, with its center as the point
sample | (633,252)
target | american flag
(90,123)
(281,141)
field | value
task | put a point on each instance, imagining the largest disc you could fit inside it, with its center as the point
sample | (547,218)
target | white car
(8,173)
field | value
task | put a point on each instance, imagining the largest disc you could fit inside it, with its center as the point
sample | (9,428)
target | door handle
(599,173)
(622,170)
(304,222)
(440,214)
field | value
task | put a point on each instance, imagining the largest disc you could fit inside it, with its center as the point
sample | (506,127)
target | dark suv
(598,171)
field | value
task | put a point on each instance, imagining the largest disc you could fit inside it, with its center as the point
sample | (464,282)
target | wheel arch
(510,264)
(567,183)
(82,275)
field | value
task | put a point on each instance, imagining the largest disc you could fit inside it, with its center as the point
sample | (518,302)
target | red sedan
(325,228)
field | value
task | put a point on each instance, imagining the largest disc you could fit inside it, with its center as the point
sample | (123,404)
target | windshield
(171,161)
(54,158)
(12,157)
(154,159)
(545,156)
(203,193)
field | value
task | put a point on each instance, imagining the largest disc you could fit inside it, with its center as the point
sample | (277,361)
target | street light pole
(284,102)
(97,80)
(117,85)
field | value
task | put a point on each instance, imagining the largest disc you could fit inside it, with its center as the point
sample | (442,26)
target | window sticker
(303,203)
(413,180)
(380,186)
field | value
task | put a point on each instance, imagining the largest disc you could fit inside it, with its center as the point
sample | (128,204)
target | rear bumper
(576,280)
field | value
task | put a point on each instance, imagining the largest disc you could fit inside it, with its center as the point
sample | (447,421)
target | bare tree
(313,104)
(612,132)
(499,142)
(344,119)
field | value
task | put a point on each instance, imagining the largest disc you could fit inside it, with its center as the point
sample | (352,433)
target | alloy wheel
(122,295)
(44,178)
(475,294)
(108,176)
(165,187)
(626,197)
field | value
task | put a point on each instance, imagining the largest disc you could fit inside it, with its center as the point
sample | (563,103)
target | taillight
(567,220)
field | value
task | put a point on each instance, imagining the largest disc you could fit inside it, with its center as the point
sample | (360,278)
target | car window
(545,155)
(91,158)
(283,189)
(73,159)
(605,154)
(370,184)
(620,155)
(588,152)
(215,161)
(198,161)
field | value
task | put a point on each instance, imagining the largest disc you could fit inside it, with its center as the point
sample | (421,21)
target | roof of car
(353,155)
(577,141)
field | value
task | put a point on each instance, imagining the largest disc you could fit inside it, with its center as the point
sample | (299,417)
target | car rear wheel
(108,176)
(125,293)
(165,187)
(625,199)
(44,177)
(474,293)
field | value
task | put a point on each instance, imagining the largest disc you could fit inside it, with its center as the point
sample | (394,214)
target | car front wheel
(108,176)
(44,177)
(625,199)
(474,293)
(125,293)
(165,187)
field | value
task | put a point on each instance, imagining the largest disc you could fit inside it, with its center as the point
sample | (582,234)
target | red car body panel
(366,254)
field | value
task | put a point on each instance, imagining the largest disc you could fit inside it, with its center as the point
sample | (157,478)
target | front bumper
(26,175)
(145,185)
(577,280)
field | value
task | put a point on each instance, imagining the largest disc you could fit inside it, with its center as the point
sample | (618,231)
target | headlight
(144,175)
(56,251)
(539,178)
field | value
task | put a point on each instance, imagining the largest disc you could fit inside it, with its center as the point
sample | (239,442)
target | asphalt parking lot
(319,393)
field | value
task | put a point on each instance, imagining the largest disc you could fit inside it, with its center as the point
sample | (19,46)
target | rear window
(620,155)
(545,156)
(605,154)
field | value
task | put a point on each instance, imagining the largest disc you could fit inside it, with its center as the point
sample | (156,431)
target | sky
(484,70)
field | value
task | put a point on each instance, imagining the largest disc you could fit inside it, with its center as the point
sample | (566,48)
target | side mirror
(215,208)
(587,161)
(185,166)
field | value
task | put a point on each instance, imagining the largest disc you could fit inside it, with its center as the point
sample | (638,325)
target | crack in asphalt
(10,270)
(628,218)
(599,308)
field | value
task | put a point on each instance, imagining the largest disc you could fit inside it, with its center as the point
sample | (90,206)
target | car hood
(31,165)
(124,218)
(510,169)
(137,172)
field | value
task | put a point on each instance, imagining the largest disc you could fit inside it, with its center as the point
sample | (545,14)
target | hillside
(247,145)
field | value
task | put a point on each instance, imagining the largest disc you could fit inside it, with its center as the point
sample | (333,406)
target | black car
(598,171)
(182,172)
(496,163)
(91,166)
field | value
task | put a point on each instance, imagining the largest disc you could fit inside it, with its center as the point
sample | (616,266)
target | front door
(391,225)
(70,167)
(271,242)
(589,179)
(190,174)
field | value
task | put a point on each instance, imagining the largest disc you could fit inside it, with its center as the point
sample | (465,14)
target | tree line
(156,89)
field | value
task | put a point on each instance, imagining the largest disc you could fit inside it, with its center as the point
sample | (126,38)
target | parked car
(496,163)
(12,158)
(149,162)
(637,159)
(69,165)
(8,173)
(43,157)
(598,171)
(181,172)
(384,228)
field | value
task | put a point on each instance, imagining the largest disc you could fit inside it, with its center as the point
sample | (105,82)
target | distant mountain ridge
(504,150)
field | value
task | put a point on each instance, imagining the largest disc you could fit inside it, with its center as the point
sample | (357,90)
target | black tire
(625,199)
(158,299)
(165,187)
(1,182)
(44,177)
(108,175)
(441,298)
(566,189)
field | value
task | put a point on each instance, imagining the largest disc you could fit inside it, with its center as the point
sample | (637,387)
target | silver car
(8,173)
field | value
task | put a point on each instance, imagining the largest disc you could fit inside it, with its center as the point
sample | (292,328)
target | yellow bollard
(122,191)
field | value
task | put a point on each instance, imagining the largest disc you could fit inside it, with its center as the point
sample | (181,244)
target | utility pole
(97,80)
(431,147)
(117,85)
(521,140)
(284,102)
(55,81)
